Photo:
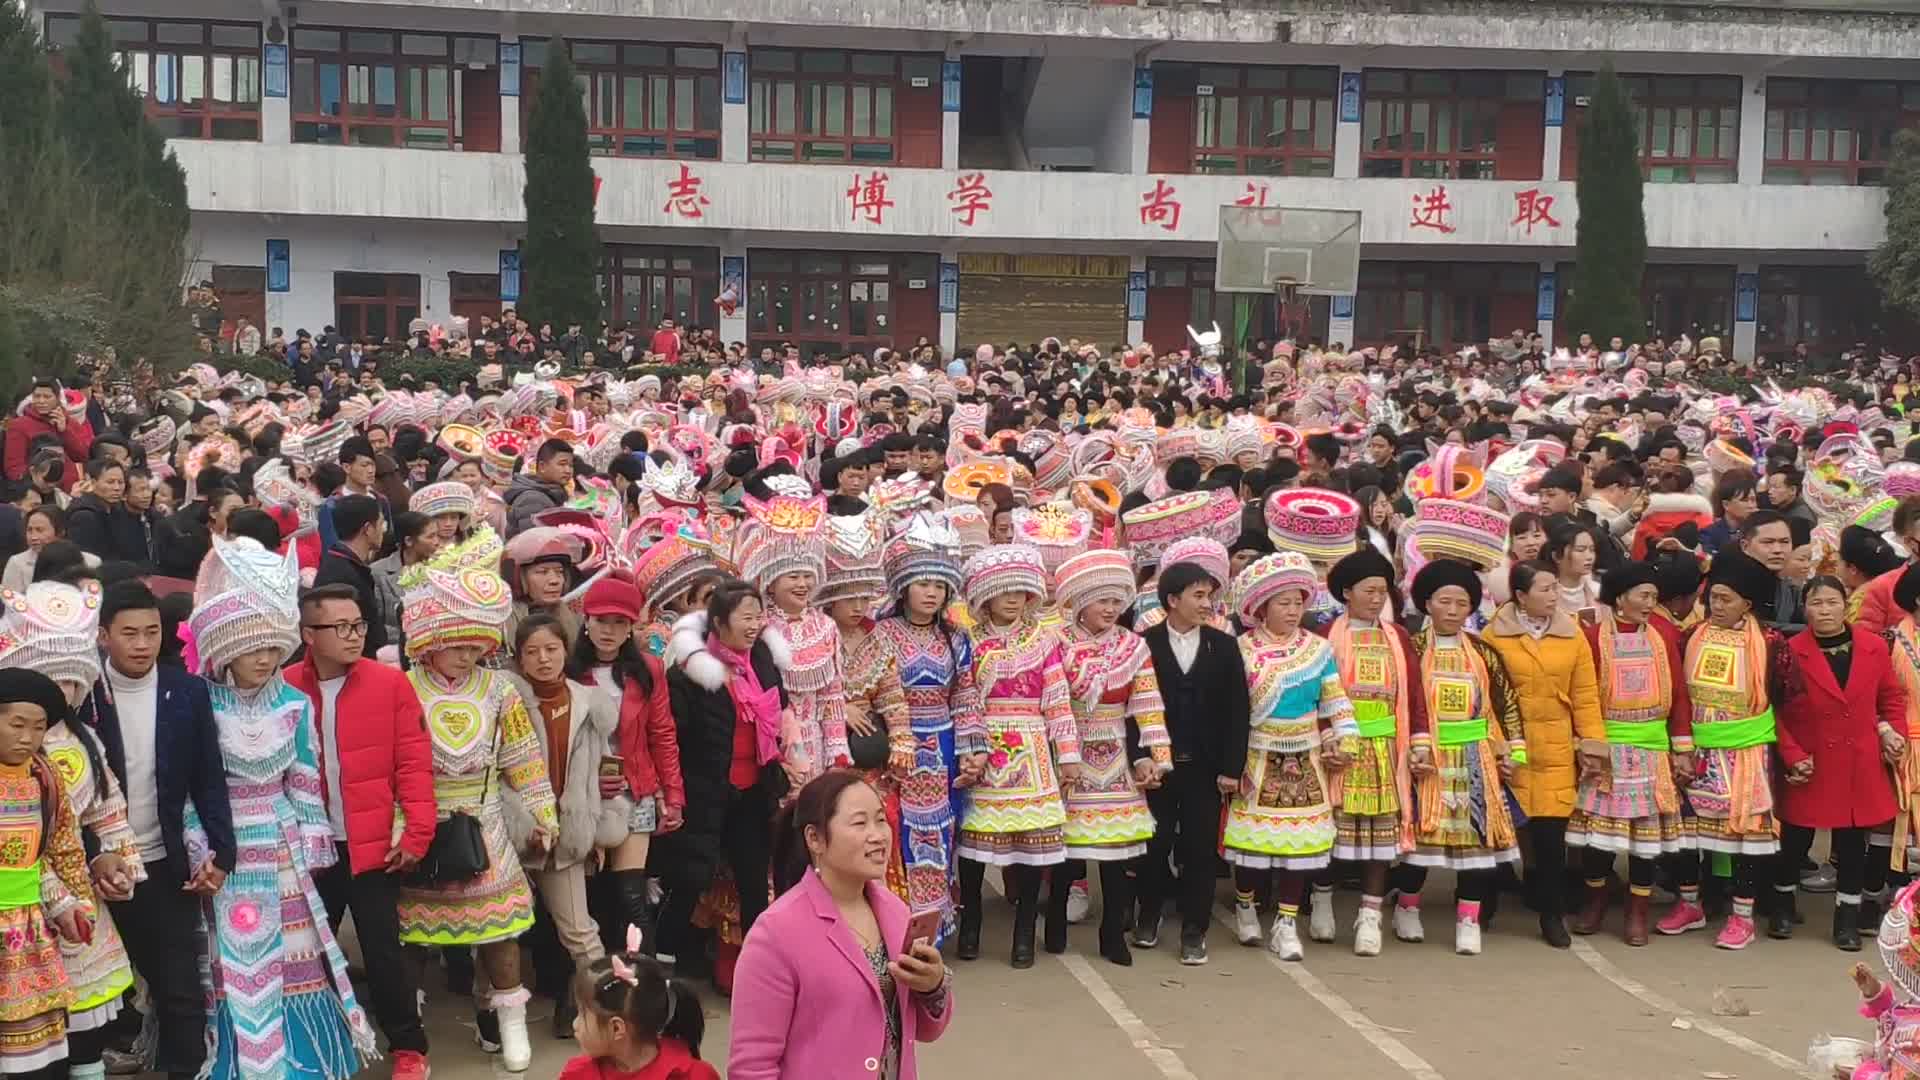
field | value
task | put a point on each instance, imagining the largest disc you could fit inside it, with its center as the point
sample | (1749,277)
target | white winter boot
(1246,924)
(516,1053)
(1285,942)
(1320,925)
(1366,932)
(1406,923)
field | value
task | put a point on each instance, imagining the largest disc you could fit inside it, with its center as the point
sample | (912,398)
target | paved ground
(1520,1011)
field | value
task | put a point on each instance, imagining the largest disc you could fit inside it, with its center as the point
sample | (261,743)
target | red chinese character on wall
(1256,195)
(1159,207)
(1430,210)
(970,197)
(868,198)
(1531,208)
(596,188)
(683,196)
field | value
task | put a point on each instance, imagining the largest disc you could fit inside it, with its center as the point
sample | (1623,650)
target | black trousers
(1849,858)
(1750,872)
(373,898)
(1547,880)
(1469,886)
(160,926)
(1596,864)
(688,863)
(1186,811)
(86,1047)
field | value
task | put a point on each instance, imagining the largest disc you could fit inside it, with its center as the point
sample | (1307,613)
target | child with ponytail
(636,1023)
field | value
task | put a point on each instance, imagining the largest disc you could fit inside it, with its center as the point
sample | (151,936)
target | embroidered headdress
(244,600)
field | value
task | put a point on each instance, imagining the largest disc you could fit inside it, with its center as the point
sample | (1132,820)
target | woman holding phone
(803,996)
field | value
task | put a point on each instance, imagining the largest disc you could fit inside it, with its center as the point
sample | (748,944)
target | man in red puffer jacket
(375,757)
(45,414)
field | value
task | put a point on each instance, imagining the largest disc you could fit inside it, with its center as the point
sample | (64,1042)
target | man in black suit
(1203,684)
(156,724)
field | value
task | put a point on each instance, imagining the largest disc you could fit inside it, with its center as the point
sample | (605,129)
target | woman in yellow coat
(1551,669)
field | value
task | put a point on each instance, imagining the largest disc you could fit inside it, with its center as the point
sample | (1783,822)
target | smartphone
(922,927)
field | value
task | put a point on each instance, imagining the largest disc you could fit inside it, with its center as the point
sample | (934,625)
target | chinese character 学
(1430,210)
(1531,208)
(683,196)
(1159,207)
(970,197)
(868,198)
(1256,195)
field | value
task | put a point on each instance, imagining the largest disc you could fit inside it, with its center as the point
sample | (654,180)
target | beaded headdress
(926,550)
(445,497)
(52,628)
(1269,576)
(781,535)
(470,607)
(1001,569)
(853,560)
(1090,576)
(243,601)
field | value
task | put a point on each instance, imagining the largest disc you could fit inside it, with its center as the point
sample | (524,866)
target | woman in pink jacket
(829,984)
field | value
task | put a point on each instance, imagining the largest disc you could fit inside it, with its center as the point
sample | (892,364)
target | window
(823,106)
(1689,126)
(375,306)
(643,285)
(1834,131)
(641,100)
(1828,308)
(1180,294)
(200,80)
(1445,125)
(1444,304)
(380,88)
(1259,121)
(1694,300)
(829,303)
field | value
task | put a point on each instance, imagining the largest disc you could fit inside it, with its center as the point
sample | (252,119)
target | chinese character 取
(1531,208)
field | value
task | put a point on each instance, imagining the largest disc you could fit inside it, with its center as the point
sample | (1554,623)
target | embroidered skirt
(1287,823)
(497,905)
(1473,827)
(1729,805)
(1633,809)
(1367,821)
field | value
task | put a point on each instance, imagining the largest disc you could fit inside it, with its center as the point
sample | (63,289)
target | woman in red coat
(1840,728)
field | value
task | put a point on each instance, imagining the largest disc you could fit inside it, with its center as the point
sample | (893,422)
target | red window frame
(334,65)
(828,303)
(358,294)
(804,105)
(642,285)
(160,61)
(1194,278)
(1835,131)
(643,99)
(1441,125)
(1234,130)
(1666,106)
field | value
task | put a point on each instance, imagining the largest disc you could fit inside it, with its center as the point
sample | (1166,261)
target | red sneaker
(410,1065)
(1682,917)
(1737,934)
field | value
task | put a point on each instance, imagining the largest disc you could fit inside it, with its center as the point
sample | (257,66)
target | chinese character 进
(1531,208)
(970,197)
(683,196)
(1256,195)
(1430,210)
(869,197)
(1159,207)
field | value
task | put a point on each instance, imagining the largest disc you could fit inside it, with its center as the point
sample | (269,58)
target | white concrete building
(967,170)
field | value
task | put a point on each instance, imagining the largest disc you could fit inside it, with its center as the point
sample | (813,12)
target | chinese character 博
(869,197)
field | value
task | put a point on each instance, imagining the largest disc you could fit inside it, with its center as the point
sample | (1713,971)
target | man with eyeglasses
(374,755)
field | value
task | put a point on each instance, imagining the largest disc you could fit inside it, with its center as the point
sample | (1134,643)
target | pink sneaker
(1737,934)
(1682,917)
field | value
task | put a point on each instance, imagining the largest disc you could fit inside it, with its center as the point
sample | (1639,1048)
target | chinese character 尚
(868,197)
(1256,195)
(1430,210)
(683,196)
(1159,207)
(1531,208)
(970,197)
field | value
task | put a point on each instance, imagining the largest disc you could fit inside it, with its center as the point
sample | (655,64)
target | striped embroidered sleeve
(1056,708)
(520,762)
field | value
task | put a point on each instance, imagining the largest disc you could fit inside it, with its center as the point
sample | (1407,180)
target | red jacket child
(385,758)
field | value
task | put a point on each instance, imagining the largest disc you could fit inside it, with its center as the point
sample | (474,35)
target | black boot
(635,908)
(486,1030)
(972,876)
(1846,927)
(1026,912)
(1553,928)
(1781,918)
(1057,892)
(1870,915)
(564,1010)
(1116,903)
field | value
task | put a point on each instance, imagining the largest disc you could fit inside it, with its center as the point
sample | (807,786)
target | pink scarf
(752,703)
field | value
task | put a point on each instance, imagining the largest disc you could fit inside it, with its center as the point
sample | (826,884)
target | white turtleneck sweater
(137,702)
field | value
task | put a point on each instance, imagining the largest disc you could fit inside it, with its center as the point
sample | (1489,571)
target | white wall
(321,246)
(1069,115)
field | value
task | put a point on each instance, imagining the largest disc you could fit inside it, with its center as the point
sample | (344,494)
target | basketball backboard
(1267,249)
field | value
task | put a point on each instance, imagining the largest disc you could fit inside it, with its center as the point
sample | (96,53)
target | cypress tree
(1610,244)
(1895,264)
(104,124)
(561,254)
(26,92)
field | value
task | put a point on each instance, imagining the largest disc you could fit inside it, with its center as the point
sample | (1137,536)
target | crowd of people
(610,688)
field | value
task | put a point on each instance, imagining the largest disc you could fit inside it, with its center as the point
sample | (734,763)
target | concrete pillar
(733,263)
(1142,115)
(950,109)
(1349,104)
(1339,321)
(1746,304)
(734,114)
(1554,116)
(1753,128)
(511,71)
(1546,299)
(948,299)
(1136,299)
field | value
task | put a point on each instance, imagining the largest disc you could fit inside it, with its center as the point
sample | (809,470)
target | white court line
(1606,969)
(1135,1029)
(1382,1040)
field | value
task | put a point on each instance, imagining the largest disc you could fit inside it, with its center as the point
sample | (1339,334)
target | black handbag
(459,849)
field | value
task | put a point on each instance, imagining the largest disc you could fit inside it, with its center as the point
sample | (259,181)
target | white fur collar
(1681,502)
(687,649)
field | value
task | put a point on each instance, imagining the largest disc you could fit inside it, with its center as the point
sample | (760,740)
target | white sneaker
(1466,937)
(516,1053)
(1078,903)
(1320,925)
(1285,942)
(1366,932)
(1406,924)
(1246,924)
